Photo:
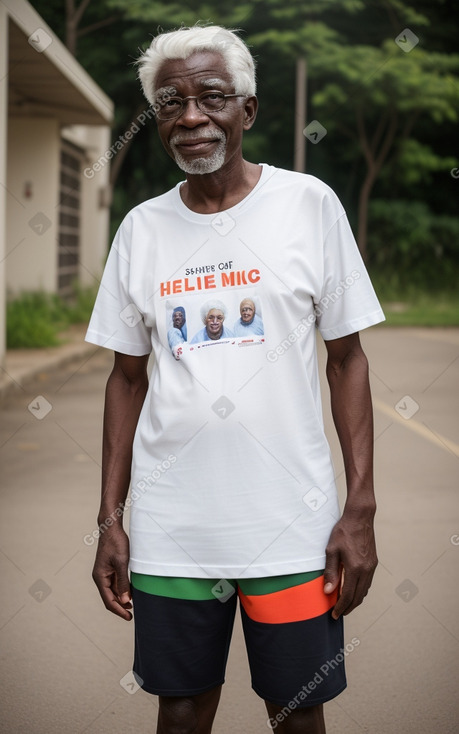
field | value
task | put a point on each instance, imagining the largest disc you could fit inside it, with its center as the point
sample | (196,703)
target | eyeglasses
(207,102)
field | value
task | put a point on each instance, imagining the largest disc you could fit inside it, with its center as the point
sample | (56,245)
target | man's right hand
(110,571)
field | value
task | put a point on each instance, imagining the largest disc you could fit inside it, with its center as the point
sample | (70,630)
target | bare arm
(352,543)
(124,397)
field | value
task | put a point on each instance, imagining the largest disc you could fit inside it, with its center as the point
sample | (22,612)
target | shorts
(183,631)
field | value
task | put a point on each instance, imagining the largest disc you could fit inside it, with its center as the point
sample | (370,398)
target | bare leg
(188,714)
(299,721)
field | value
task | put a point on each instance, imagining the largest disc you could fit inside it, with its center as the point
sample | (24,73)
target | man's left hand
(351,562)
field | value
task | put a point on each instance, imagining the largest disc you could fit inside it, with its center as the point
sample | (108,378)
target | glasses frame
(183,101)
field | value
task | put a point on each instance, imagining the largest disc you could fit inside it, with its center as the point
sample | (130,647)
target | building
(54,195)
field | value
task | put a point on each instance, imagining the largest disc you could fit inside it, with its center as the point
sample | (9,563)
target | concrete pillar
(3,151)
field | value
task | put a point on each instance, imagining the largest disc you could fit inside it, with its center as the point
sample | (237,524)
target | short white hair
(185,42)
(209,306)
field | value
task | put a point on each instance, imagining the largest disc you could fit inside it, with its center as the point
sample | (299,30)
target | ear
(250,112)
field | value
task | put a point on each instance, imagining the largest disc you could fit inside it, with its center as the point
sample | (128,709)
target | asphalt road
(66,661)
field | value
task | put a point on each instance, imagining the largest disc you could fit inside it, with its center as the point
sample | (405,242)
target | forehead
(195,70)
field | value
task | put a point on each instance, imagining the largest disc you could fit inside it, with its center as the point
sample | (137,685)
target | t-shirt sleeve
(116,321)
(347,302)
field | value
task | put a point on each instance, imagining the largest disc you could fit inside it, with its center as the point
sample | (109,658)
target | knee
(177,715)
(297,720)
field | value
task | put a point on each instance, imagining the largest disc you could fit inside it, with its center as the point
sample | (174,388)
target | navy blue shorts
(183,631)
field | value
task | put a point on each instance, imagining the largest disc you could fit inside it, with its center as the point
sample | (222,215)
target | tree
(73,18)
(374,95)
(389,114)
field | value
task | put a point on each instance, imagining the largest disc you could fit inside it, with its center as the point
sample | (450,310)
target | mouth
(194,146)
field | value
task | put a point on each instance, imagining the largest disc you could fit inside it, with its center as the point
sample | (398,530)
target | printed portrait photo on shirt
(231,317)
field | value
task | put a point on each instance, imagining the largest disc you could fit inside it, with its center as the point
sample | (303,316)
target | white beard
(200,166)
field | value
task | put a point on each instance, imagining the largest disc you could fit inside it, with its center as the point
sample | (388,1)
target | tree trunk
(364,198)
(73,17)
(70,27)
(375,152)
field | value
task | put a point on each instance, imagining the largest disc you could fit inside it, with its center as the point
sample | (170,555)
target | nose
(191,114)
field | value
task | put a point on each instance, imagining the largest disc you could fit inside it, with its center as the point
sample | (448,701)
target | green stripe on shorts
(175,588)
(201,589)
(270,584)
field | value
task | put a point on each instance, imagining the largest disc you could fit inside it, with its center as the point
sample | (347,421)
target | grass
(423,310)
(417,306)
(37,319)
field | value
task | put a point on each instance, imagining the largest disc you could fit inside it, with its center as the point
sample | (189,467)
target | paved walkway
(64,655)
(23,365)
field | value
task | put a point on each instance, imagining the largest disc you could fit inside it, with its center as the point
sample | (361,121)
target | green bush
(35,319)
(410,248)
(79,308)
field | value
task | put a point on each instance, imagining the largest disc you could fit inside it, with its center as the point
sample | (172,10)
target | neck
(214,192)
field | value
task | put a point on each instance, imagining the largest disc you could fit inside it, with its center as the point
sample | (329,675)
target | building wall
(32,204)
(3,190)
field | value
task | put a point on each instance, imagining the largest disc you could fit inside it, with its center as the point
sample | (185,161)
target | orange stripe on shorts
(295,604)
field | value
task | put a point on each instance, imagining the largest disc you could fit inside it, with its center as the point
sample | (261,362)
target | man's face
(214,323)
(202,143)
(177,319)
(247,311)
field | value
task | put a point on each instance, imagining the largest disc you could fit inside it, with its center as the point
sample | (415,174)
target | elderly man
(244,505)
(178,333)
(213,314)
(250,322)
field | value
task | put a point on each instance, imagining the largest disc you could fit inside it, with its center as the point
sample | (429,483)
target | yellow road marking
(419,428)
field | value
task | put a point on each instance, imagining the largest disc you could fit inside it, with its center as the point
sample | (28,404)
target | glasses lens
(211,101)
(170,109)
(207,102)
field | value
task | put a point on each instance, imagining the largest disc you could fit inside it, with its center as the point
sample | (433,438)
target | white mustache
(204,134)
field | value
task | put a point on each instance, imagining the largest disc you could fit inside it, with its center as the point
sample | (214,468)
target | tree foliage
(390,110)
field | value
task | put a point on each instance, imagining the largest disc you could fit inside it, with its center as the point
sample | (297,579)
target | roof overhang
(44,79)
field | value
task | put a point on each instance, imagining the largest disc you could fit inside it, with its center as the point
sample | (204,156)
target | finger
(360,593)
(114,604)
(346,595)
(112,601)
(352,594)
(121,583)
(125,599)
(332,572)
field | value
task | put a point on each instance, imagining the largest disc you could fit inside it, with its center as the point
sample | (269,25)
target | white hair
(212,304)
(186,41)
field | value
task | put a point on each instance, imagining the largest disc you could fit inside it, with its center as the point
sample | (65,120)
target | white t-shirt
(231,472)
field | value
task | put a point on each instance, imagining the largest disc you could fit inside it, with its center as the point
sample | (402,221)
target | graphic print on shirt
(213,305)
